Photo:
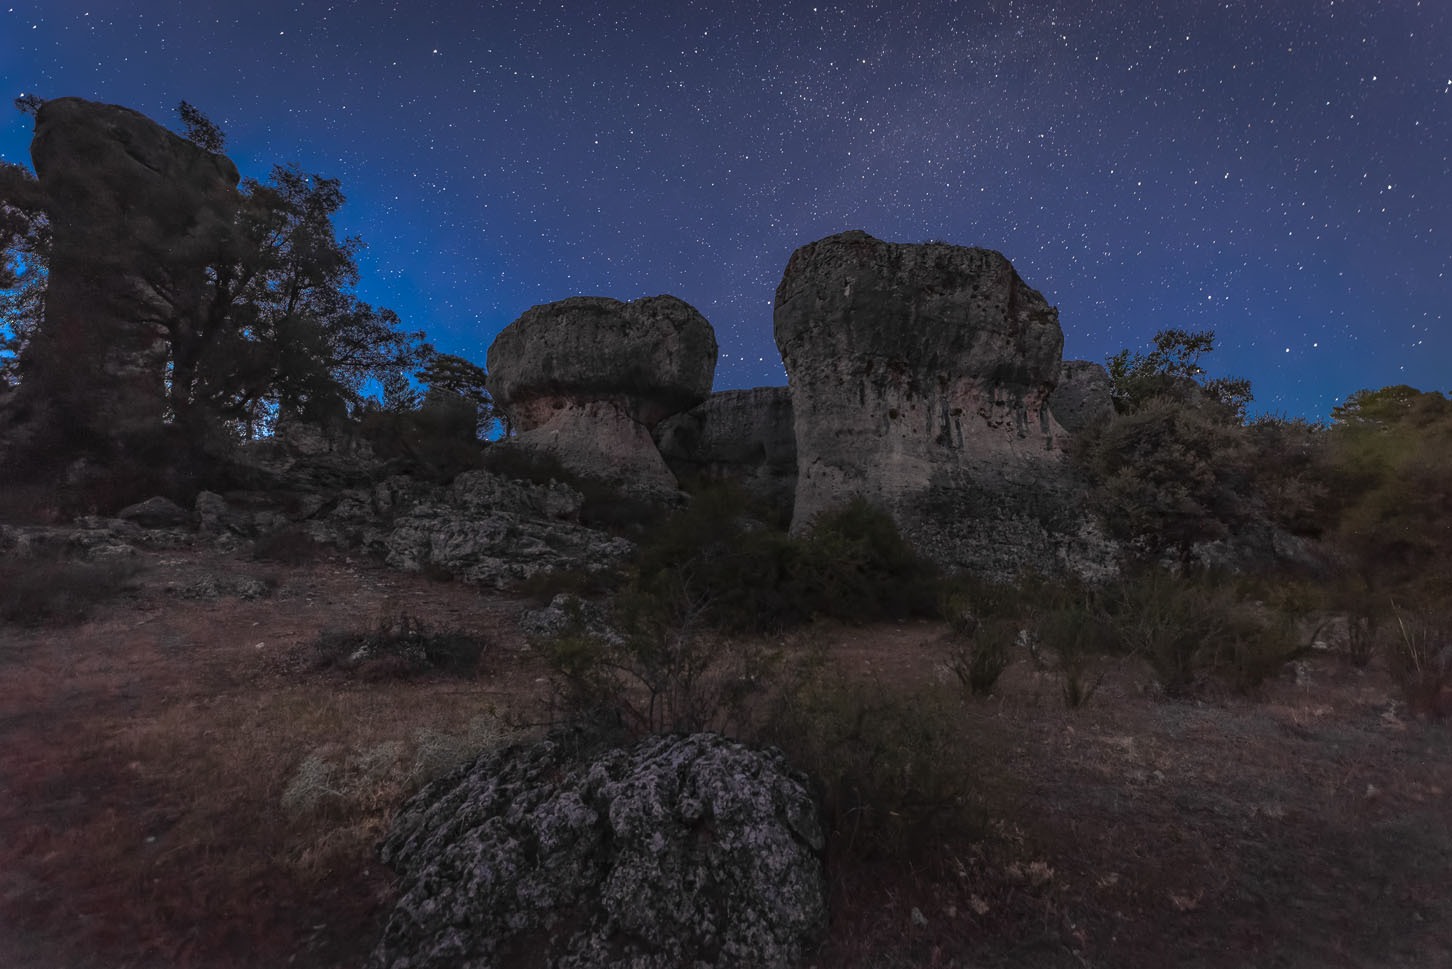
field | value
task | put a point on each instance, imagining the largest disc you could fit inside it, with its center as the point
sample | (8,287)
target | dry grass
(181,789)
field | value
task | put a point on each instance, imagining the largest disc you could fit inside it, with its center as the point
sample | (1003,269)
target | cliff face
(137,214)
(920,377)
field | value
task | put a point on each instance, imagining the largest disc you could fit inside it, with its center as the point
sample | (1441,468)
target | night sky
(1279,171)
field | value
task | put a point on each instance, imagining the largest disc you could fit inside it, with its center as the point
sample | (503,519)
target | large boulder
(678,851)
(920,379)
(746,436)
(136,214)
(1083,398)
(586,379)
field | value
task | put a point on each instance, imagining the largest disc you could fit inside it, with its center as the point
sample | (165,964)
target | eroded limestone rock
(745,436)
(586,379)
(678,851)
(920,379)
(137,214)
(1083,398)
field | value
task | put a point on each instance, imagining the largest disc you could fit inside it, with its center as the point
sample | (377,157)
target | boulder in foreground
(678,851)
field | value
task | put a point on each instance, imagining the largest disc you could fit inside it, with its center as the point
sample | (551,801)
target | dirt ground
(180,786)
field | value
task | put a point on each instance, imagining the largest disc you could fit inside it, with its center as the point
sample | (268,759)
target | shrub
(399,645)
(1188,627)
(288,545)
(1076,634)
(851,564)
(1420,657)
(978,656)
(895,777)
(658,668)
(53,589)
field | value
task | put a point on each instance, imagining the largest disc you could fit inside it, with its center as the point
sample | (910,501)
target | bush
(978,656)
(399,646)
(658,668)
(289,545)
(1420,657)
(1191,627)
(54,589)
(895,779)
(851,564)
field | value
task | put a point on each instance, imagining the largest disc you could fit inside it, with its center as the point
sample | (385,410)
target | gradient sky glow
(1279,171)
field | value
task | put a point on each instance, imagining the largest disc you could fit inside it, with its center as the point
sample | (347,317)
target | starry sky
(1279,171)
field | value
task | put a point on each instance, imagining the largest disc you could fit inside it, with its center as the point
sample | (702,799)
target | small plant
(979,657)
(1420,658)
(659,668)
(1075,635)
(400,645)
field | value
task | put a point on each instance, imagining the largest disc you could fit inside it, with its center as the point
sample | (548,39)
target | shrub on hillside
(398,646)
(54,589)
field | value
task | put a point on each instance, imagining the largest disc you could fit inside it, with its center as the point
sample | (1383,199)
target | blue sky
(1280,171)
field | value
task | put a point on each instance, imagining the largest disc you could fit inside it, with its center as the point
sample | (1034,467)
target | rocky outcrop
(745,436)
(586,379)
(920,378)
(1083,398)
(678,851)
(136,214)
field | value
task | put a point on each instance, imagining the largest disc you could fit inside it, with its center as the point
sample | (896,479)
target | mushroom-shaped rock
(920,378)
(587,378)
(678,851)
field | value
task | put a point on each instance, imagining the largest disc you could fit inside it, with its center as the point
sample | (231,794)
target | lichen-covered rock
(746,436)
(920,378)
(496,549)
(157,512)
(585,379)
(679,851)
(1083,398)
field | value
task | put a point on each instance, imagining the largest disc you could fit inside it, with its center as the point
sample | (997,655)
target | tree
(200,130)
(1176,466)
(278,329)
(24,252)
(1173,368)
(1391,482)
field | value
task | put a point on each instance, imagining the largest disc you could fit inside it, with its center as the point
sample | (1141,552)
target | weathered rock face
(679,851)
(1082,399)
(491,530)
(920,379)
(737,435)
(136,213)
(587,378)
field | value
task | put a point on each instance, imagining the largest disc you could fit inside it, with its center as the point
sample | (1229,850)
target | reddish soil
(152,761)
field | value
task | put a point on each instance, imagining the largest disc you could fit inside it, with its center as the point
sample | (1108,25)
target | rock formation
(920,378)
(1083,399)
(738,435)
(586,379)
(678,851)
(136,214)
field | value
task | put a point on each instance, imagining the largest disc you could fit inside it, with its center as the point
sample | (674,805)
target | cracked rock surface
(677,851)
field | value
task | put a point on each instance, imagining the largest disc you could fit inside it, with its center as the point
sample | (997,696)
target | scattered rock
(156,512)
(586,379)
(568,613)
(678,851)
(496,549)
